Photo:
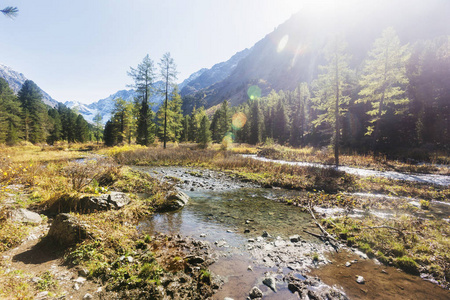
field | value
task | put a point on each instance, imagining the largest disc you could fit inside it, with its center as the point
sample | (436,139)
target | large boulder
(115,200)
(175,201)
(72,203)
(25,216)
(67,230)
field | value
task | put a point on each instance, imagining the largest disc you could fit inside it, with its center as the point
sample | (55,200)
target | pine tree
(55,127)
(143,77)
(204,137)
(10,115)
(168,73)
(185,133)
(34,112)
(281,123)
(81,129)
(98,127)
(331,94)
(384,80)
(300,114)
(256,123)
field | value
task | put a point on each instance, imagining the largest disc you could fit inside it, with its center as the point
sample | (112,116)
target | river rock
(294,238)
(176,200)
(67,230)
(360,280)
(255,293)
(115,200)
(271,283)
(265,234)
(23,215)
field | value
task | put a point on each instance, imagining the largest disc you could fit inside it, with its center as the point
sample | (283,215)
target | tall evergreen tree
(98,127)
(204,137)
(332,93)
(10,115)
(81,129)
(384,81)
(168,73)
(143,77)
(300,114)
(10,11)
(55,127)
(256,123)
(34,112)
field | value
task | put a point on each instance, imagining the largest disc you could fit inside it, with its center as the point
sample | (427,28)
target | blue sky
(81,50)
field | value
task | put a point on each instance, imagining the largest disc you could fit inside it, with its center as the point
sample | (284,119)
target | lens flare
(254,92)
(238,120)
(282,44)
(227,140)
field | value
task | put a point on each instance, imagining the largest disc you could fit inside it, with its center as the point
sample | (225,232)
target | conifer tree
(185,134)
(331,94)
(281,123)
(10,115)
(81,129)
(98,127)
(204,137)
(384,80)
(256,123)
(143,77)
(55,127)
(168,73)
(34,112)
(300,113)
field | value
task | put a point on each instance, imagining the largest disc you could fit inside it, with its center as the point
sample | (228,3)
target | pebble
(202,235)
(88,296)
(255,293)
(348,264)
(76,287)
(250,268)
(360,280)
(80,280)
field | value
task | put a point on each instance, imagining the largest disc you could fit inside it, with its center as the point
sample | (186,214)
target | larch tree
(168,73)
(332,86)
(384,80)
(98,126)
(143,77)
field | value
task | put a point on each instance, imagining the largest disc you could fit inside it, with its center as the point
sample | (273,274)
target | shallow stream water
(435,179)
(232,218)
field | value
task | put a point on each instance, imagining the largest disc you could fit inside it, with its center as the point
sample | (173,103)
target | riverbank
(93,250)
(120,259)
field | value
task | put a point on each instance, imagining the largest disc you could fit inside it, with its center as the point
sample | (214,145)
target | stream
(255,238)
(434,179)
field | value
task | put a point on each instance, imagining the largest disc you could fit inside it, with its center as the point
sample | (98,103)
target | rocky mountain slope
(16,80)
(293,51)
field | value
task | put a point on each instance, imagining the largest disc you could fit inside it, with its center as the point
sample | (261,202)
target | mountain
(217,73)
(293,52)
(16,80)
(196,81)
(103,106)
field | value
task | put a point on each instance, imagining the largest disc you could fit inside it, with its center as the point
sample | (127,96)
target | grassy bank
(38,177)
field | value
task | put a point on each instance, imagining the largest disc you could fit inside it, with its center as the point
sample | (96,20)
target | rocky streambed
(260,244)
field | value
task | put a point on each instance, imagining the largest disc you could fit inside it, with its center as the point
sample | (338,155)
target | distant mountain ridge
(273,65)
(196,81)
(16,80)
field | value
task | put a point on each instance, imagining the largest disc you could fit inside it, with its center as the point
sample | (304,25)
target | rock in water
(255,293)
(25,216)
(270,282)
(176,200)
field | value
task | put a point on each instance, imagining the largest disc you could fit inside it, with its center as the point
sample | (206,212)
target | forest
(398,101)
